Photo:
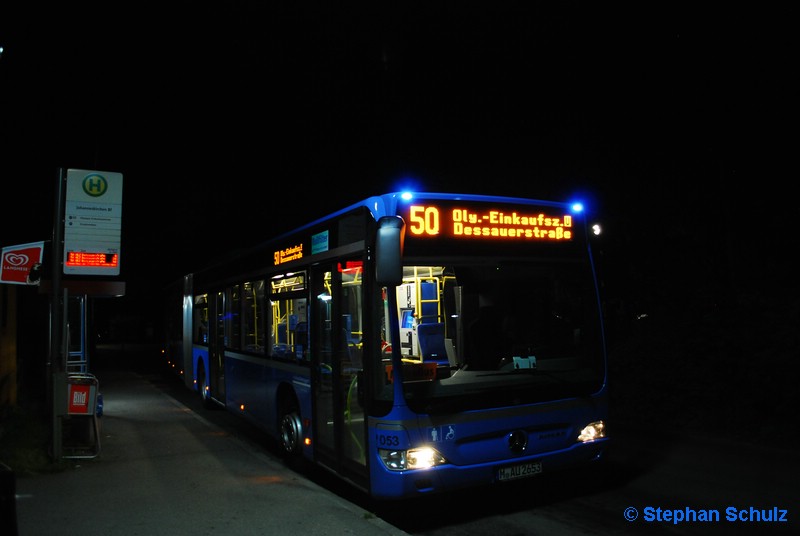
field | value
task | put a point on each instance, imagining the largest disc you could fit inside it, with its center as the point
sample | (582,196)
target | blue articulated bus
(410,343)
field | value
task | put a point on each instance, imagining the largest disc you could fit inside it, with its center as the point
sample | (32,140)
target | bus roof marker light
(406,196)
(577,207)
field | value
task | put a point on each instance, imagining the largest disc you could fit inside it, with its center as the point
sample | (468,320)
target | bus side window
(200,322)
(301,340)
(254,316)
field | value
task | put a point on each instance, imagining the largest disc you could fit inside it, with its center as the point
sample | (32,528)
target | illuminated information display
(285,255)
(85,259)
(482,222)
(93,222)
(467,227)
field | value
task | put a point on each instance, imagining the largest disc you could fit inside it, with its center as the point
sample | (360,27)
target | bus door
(339,418)
(216,347)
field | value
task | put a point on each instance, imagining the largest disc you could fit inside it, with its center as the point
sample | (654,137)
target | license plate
(522,470)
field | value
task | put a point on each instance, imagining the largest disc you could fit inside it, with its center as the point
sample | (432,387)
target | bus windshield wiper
(527,372)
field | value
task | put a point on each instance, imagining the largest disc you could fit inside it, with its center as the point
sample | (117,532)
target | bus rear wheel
(204,388)
(291,429)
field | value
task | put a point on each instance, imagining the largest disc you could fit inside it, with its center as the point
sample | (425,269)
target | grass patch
(25,442)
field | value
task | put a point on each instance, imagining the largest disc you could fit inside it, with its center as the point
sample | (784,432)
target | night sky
(233,122)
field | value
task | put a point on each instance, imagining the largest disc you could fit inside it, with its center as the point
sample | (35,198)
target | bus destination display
(482,222)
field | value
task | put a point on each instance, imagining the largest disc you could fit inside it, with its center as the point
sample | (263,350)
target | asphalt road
(648,482)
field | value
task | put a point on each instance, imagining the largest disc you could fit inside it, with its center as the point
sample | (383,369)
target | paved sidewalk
(162,469)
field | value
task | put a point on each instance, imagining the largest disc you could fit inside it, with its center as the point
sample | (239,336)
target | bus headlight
(418,458)
(592,431)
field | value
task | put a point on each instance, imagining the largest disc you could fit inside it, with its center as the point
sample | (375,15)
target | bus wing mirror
(389,251)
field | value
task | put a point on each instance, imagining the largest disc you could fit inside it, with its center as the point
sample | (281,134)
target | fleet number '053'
(388,440)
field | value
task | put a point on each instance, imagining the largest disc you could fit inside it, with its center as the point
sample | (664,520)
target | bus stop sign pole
(57,372)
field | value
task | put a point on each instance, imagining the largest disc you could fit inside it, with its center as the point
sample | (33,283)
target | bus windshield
(501,333)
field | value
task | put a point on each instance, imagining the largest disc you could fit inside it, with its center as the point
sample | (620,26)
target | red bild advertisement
(79,398)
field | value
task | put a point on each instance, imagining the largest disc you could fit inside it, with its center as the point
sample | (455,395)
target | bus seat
(282,334)
(431,342)
(347,323)
(352,350)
